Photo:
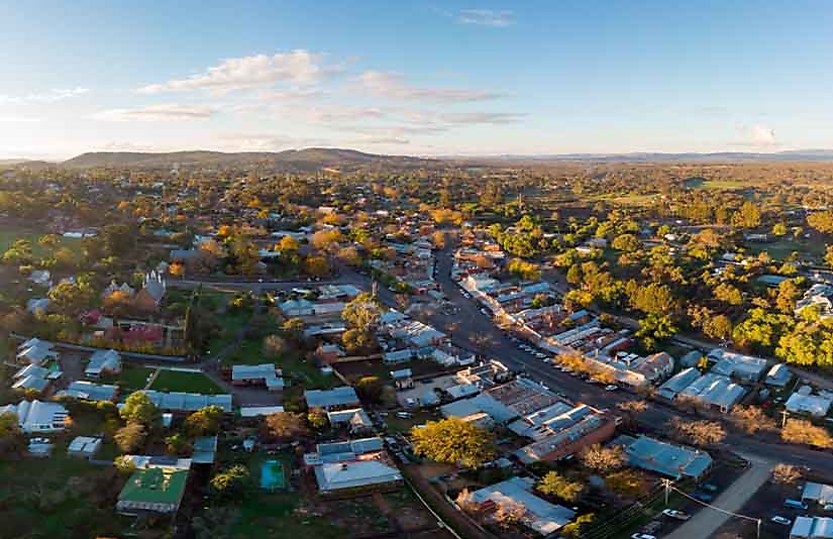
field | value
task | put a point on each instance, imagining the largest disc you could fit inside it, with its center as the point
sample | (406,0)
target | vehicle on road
(781,520)
(611,387)
(827,507)
(676,513)
(704,497)
(540,355)
(643,536)
(404,415)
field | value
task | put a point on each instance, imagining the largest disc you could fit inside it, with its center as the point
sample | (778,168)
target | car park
(781,520)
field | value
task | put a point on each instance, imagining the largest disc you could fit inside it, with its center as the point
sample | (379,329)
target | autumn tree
(138,408)
(801,431)
(751,419)
(286,425)
(454,441)
(130,437)
(786,474)
(204,422)
(700,433)
(602,459)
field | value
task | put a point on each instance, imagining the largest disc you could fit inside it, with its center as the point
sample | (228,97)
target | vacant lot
(189,382)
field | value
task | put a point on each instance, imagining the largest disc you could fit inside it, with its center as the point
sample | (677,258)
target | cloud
(757,135)
(298,67)
(154,113)
(17,119)
(486,17)
(391,86)
(289,95)
(51,96)
(266,142)
(479,118)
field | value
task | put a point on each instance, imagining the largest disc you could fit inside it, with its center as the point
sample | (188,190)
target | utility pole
(758,534)
(667,484)
(784,415)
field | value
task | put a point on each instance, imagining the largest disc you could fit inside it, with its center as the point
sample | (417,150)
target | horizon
(535,79)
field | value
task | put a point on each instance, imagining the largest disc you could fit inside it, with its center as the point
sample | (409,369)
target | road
(707,521)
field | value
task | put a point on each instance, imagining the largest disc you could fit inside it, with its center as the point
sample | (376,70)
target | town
(227,352)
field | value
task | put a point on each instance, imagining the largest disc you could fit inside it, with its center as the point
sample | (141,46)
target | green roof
(155,485)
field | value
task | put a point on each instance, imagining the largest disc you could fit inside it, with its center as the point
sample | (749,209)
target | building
(84,390)
(356,420)
(714,391)
(540,515)
(37,352)
(157,486)
(37,417)
(778,376)
(265,374)
(205,450)
(666,459)
(188,402)
(402,379)
(331,399)
(337,476)
(677,383)
(812,528)
(103,362)
(561,430)
(84,446)
(733,364)
(259,411)
(819,296)
(819,493)
(802,403)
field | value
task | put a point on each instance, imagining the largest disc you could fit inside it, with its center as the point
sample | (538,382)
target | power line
(669,486)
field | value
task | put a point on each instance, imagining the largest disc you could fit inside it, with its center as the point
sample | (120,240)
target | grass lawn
(59,497)
(132,377)
(230,325)
(10,235)
(188,382)
(273,515)
(783,248)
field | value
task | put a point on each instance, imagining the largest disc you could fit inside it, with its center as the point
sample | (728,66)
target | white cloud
(298,67)
(480,118)
(757,135)
(486,17)
(51,96)
(391,86)
(153,113)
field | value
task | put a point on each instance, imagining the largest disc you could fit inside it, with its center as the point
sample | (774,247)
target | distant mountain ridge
(305,159)
(690,157)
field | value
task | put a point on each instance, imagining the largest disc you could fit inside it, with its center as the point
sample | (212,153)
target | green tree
(747,216)
(138,408)
(555,484)
(454,441)
(204,422)
(231,483)
(369,388)
(11,436)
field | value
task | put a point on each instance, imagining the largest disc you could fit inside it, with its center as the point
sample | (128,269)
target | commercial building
(539,515)
(666,459)
(812,528)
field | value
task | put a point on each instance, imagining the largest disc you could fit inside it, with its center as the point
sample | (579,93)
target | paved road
(707,521)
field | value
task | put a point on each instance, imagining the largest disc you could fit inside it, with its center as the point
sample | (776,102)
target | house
(561,430)
(265,374)
(329,353)
(103,362)
(818,296)
(37,417)
(804,403)
(778,376)
(205,450)
(37,305)
(402,379)
(259,411)
(715,391)
(539,515)
(677,383)
(819,493)
(84,390)
(397,356)
(733,364)
(40,277)
(84,446)
(666,459)
(356,420)
(330,399)
(39,352)
(337,476)
(156,486)
(812,528)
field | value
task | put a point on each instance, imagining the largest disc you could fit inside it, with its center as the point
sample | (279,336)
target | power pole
(784,415)
(667,484)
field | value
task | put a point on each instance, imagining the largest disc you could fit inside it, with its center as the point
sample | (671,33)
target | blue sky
(426,78)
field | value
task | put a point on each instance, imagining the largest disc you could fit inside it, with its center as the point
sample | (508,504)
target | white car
(674,513)
(540,355)
(781,520)
(611,387)
(643,536)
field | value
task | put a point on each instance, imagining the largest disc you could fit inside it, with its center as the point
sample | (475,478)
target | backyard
(188,382)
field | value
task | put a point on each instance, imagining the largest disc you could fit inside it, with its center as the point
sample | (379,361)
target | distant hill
(306,159)
(649,157)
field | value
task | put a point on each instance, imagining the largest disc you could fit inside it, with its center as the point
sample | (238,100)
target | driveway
(707,521)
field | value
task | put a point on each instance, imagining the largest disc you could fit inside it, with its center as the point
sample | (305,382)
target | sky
(415,77)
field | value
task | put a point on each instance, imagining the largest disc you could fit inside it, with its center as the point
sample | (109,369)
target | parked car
(781,520)
(675,513)
(611,387)
(643,536)
(404,415)
(703,497)
(828,507)
(795,504)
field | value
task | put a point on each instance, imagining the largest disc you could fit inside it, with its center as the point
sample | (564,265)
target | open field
(10,235)
(132,377)
(189,382)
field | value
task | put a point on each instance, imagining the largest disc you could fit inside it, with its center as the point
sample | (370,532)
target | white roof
(37,416)
(340,475)
(541,515)
(812,404)
(257,411)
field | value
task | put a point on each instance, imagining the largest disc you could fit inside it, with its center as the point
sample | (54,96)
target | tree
(70,298)
(626,242)
(700,433)
(603,459)
(509,514)
(800,431)
(786,474)
(231,482)
(578,527)
(204,422)
(821,221)
(555,484)
(317,266)
(246,255)
(751,419)
(138,408)
(177,444)
(718,327)
(454,441)
(11,436)
(274,346)
(747,216)
(317,418)
(369,388)
(286,425)
(787,294)
(362,312)
(625,483)
(130,437)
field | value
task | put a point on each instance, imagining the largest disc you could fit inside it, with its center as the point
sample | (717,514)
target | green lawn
(132,377)
(783,248)
(231,323)
(59,497)
(188,382)
(10,235)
